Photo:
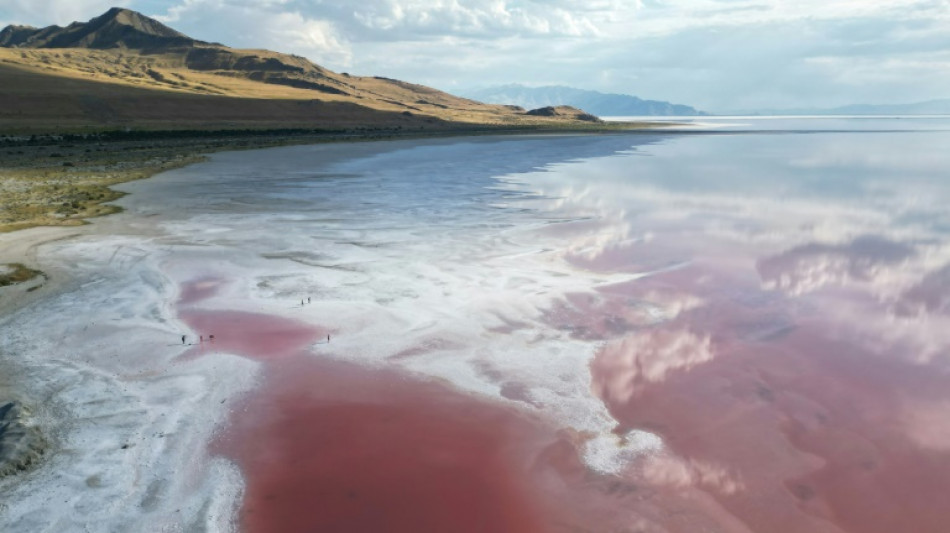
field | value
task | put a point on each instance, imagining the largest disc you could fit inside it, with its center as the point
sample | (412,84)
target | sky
(716,55)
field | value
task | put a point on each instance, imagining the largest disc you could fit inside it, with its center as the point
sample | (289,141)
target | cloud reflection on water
(820,262)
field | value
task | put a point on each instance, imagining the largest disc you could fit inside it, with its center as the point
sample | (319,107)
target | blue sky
(717,55)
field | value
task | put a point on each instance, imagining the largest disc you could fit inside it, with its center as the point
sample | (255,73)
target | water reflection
(805,385)
(766,312)
(811,266)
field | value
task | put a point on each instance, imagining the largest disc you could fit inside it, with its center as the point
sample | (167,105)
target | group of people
(201,338)
(303,304)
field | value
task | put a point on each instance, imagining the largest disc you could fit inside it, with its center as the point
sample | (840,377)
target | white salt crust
(408,257)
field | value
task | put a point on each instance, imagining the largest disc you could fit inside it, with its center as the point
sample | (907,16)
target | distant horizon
(714,57)
(728,112)
(699,118)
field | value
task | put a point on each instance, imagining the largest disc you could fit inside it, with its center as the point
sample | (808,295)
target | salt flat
(632,323)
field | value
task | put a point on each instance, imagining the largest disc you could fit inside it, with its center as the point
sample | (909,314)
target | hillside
(117,27)
(125,70)
(603,104)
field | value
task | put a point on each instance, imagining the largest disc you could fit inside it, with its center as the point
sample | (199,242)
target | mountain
(930,107)
(125,70)
(598,103)
(115,28)
(16,35)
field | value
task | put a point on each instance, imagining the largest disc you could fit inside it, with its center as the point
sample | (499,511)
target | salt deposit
(498,275)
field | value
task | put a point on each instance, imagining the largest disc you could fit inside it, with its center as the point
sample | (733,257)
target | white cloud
(308,37)
(671,16)
(670,471)
(418,20)
(716,55)
(629,365)
(927,423)
(812,266)
(881,69)
(713,55)
(44,13)
(425,19)
(261,24)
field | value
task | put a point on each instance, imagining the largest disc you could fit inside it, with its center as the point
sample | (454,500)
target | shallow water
(738,331)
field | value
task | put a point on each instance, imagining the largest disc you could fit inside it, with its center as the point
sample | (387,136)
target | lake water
(742,326)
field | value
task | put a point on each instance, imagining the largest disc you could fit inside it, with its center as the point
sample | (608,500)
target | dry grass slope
(58,90)
(127,70)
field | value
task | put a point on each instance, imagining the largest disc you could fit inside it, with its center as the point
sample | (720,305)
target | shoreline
(23,246)
(66,179)
(20,245)
(27,432)
(670,348)
(20,238)
(147,162)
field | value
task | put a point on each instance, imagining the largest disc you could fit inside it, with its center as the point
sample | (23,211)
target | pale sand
(21,247)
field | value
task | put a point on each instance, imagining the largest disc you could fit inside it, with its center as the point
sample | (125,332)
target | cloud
(686,473)
(672,16)
(880,69)
(712,55)
(930,295)
(423,20)
(716,55)
(624,368)
(927,423)
(270,24)
(61,12)
(419,19)
(812,266)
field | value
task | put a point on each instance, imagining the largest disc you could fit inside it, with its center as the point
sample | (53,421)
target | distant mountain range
(601,104)
(930,107)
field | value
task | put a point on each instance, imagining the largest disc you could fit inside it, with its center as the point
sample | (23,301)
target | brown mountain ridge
(125,70)
(115,28)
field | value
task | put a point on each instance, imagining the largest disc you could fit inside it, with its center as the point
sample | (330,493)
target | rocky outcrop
(21,444)
(563,111)
(601,104)
(16,35)
(220,58)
